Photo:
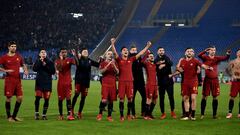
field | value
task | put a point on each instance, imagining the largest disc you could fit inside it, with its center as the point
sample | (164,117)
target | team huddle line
(127,68)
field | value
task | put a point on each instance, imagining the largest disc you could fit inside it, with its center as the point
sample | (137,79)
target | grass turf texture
(89,125)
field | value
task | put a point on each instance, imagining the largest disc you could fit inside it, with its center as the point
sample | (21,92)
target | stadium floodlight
(168,24)
(77,15)
(181,24)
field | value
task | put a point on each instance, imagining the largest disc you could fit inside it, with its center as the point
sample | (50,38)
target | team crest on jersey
(17,59)
(67,62)
(191,64)
(128,61)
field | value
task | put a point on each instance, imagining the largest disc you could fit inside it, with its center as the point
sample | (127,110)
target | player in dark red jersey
(233,70)
(64,86)
(82,78)
(151,84)
(125,85)
(109,71)
(43,86)
(189,67)
(211,82)
(11,62)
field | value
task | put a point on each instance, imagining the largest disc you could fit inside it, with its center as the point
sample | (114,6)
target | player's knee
(8,99)
(193,99)
(19,99)
(104,100)
(130,100)
(186,98)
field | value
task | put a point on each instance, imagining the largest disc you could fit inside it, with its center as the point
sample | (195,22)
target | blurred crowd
(50,24)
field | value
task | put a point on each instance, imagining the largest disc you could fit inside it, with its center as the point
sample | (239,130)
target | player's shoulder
(18,55)
(196,60)
(69,58)
(234,61)
(182,60)
(4,56)
(132,58)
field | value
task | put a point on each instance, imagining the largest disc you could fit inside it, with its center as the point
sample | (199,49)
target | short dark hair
(212,46)
(133,46)
(41,49)
(11,43)
(188,48)
(150,53)
(83,48)
(160,47)
(123,47)
(63,48)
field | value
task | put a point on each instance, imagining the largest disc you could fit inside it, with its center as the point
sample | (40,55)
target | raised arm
(202,55)
(226,57)
(113,41)
(76,57)
(149,44)
(94,63)
(145,57)
(58,63)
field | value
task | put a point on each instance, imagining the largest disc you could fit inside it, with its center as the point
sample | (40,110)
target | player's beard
(109,59)
(12,51)
(189,56)
(132,54)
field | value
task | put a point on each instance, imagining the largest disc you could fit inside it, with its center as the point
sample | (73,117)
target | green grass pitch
(89,125)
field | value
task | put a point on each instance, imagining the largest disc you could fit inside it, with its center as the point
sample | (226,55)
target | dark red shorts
(189,88)
(41,93)
(64,91)
(211,85)
(109,92)
(13,86)
(125,88)
(81,89)
(152,91)
(235,88)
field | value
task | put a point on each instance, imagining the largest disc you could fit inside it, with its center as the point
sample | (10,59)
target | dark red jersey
(12,63)
(125,68)
(212,62)
(109,76)
(64,75)
(151,73)
(190,69)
